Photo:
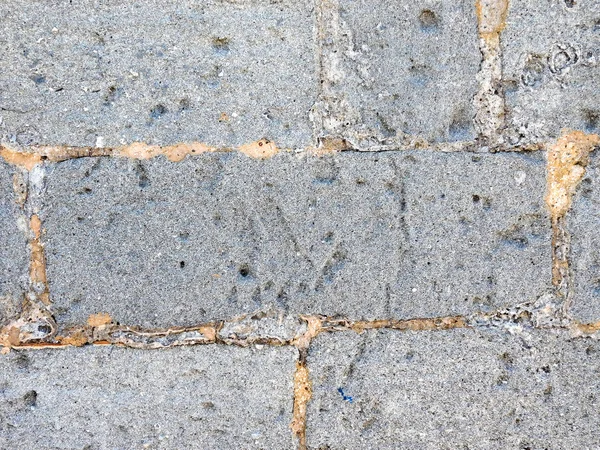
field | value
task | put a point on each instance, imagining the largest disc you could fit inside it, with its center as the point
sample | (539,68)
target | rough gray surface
(460,389)
(86,72)
(209,397)
(393,88)
(407,233)
(551,59)
(14,254)
(584,221)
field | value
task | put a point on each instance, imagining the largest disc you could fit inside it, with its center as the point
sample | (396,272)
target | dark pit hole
(428,20)
(591,120)
(158,111)
(476,198)
(182,264)
(44,329)
(38,79)
(30,398)
(570,3)
(184,104)
(221,45)
(244,270)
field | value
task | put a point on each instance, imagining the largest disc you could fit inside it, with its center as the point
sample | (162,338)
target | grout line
(489,101)
(566,165)
(263,149)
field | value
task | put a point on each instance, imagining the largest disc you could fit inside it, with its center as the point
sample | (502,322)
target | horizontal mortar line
(136,337)
(261,149)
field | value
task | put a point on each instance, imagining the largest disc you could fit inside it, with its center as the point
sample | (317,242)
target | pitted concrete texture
(455,389)
(101,398)
(14,258)
(410,234)
(551,68)
(397,91)
(584,221)
(107,73)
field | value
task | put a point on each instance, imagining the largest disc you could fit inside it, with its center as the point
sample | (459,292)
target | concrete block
(87,73)
(410,234)
(406,70)
(14,253)
(551,68)
(583,221)
(454,389)
(108,398)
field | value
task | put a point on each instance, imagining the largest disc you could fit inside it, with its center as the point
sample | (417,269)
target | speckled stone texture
(111,72)
(410,234)
(455,389)
(107,398)
(14,254)
(396,91)
(583,222)
(551,68)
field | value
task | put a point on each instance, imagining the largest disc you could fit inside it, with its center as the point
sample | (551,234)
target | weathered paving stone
(363,235)
(407,69)
(583,221)
(107,397)
(551,66)
(14,254)
(458,389)
(220,72)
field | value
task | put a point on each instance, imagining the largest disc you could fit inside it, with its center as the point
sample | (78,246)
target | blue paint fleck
(344,396)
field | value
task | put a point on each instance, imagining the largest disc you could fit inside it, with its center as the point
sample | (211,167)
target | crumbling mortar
(489,101)
(34,157)
(567,160)
(36,322)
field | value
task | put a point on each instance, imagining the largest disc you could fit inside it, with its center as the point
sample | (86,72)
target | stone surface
(407,69)
(551,67)
(219,72)
(14,253)
(363,235)
(102,397)
(584,221)
(456,389)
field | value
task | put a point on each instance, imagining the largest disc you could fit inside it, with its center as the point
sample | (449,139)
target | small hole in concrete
(221,45)
(429,20)
(244,270)
(44,329)
(30,398)
(182,264)
(158,111)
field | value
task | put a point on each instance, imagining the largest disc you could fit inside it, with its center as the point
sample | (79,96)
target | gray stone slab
(14,253)
(364,235)
(409,68)
(455,389)
(220,72)
(551,67)
(583,221)
(113,398)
